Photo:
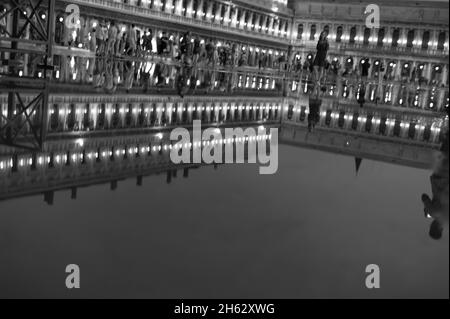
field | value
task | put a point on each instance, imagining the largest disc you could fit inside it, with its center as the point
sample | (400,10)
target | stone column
(249,21)
(209,12)
(227,17)
(157,5)
(168,8)
(263,24)
(242,21)
(190,9)
(234,21)
(282,28)
(199,9)
(218,12)
(178,7)
(276,26)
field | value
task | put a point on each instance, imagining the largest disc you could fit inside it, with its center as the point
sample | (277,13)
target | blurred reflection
(437,207)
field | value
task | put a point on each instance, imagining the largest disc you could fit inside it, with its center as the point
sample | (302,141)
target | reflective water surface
(308,231)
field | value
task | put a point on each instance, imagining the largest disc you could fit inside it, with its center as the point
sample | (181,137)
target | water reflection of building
(69,163)
(243,64)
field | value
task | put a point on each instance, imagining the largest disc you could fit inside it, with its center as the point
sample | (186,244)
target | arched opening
(339,33)
(352,35)
(381,35)
(425,40)
(395,38)
(312,35)
(300,31)
(367,33)
(441,41)
(410,38)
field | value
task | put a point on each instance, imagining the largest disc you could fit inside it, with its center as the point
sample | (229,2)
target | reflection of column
(433,39)
(388,37)
(190,9)
(398,69)
(242,21)
(282,28)
(227,18)
(218,13)
(428,71)
(373,36)
(178,7)
(418,38)
(234,17)
(169,4)
(254,26)
(395,93)
(270,27)
(199,9)
(159,112)
(263,24)
(209,12)
(359,34)
(250,21)
(345,33)
(440,99)
(157,5)
(276,27)
(445,75)
(402,39)
(289,30)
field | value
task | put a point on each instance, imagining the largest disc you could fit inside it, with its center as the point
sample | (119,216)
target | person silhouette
(321,56)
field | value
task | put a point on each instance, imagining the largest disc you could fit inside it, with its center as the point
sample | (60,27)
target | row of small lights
(170,109)
(390,122)
(133,150)
(63,112)
(372,39)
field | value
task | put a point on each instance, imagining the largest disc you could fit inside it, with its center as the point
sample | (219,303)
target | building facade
(126,70)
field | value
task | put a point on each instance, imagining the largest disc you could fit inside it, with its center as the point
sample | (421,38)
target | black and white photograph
(224,155)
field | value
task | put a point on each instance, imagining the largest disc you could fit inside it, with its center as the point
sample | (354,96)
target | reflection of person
(112,38)
(314,109)
(321,56)
(437,207)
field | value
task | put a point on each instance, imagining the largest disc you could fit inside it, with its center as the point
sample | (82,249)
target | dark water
(308,231)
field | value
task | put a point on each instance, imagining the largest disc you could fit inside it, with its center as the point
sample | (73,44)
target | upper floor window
(246,18)
(184,7)
(367,33)
(352,35)
(205,9)
(300,31)
(222,14)
(425,39)
(441,40)
(410,38)
(339,33)
(395,38)
(312,35)
(239,13)
(381,35)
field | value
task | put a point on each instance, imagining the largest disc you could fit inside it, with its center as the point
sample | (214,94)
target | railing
(338,47)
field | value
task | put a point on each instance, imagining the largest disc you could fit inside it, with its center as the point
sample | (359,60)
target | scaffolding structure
(24,124)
